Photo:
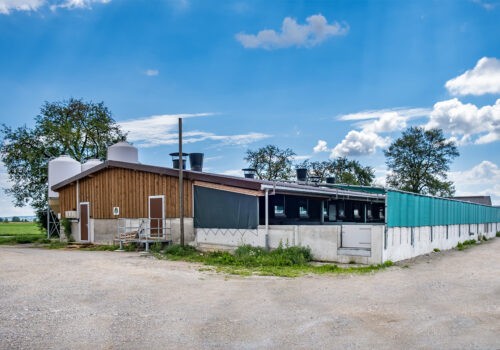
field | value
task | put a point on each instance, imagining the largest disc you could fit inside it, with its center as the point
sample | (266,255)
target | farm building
(123,199)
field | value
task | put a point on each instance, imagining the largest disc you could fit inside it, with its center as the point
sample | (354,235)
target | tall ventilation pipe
(301,174)
(196,161)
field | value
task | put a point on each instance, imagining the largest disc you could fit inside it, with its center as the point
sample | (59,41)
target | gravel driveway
(63,299)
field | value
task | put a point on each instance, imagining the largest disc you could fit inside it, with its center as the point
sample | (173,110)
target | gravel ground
(61,299)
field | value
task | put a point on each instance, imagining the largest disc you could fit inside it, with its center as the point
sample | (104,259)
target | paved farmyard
(62,299)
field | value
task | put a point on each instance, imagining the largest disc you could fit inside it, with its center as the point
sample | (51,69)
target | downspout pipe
(267,218)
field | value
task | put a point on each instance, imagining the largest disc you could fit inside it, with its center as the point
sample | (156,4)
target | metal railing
(144,230)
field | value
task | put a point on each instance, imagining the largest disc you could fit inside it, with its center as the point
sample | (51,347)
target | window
(303,208)
(279,210)
(279,206)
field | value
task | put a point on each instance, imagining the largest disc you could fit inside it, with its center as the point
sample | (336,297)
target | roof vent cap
(249,173)
(301,174)
(175,160)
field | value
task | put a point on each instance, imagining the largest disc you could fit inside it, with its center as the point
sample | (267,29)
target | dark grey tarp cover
(223,209)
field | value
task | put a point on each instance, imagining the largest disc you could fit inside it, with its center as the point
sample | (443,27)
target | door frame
(88,221)
(162,212)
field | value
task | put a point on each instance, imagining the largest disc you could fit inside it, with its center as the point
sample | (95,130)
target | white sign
(116,210)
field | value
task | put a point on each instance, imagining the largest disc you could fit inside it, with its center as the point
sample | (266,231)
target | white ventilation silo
(60,169)
(90,164)
(123,152)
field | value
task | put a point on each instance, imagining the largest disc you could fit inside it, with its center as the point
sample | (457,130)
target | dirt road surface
(62,299)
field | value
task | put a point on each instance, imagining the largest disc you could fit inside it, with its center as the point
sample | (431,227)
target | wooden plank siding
(129,190)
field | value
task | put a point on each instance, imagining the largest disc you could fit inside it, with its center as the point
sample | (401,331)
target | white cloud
(358,143)
(6,6)
(74,4)
(467,120)
(321,147)
(481,180)
(303,157)
(484,78)
(484,173)
(162,130)
(233,172)
(379,113)
(372,123)
(315,31)
(152,72)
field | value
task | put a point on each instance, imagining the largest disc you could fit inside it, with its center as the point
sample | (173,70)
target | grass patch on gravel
(101,248)
(466,244)
(57,245)
(24,239)
(248,260)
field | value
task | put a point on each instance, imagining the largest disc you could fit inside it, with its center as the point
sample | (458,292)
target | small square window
(279,210)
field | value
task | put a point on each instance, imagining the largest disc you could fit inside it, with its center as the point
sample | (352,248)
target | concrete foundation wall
(323,240)
(105,231)
(428,238)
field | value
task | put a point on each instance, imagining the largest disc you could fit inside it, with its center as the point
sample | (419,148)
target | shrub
(437,250)
(66,224)
(498,234)
(155,247)
(178,250)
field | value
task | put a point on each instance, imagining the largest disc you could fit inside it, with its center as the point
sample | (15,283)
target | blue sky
(325,78)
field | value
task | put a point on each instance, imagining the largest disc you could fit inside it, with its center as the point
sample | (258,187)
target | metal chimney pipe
(196,161)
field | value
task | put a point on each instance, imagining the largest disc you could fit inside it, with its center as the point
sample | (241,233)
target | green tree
(82,130)
(345,171)
(271,162)
(6,220)
(419,161)
(1,220)
(16,219)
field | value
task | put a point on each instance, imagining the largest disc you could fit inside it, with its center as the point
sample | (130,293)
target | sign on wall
(116,210)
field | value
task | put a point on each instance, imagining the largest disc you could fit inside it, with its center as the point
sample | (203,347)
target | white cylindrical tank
(90,164)
(60,169)
(123,152)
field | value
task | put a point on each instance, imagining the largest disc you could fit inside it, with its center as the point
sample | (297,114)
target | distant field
(20,233)
(19,228)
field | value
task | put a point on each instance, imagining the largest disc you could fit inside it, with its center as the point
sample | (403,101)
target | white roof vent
(123,152)
(60,169)
(90,164)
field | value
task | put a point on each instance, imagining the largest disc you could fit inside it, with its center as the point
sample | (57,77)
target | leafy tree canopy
(344,171)
(271,162)
(82,130)
(419,161)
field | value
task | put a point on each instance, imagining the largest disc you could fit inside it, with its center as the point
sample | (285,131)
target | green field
(20,232)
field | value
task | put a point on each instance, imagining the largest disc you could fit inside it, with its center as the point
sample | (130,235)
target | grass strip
(248,260)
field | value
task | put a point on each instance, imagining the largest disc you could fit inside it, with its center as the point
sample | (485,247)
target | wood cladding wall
(129,190)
